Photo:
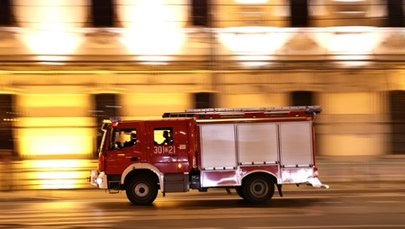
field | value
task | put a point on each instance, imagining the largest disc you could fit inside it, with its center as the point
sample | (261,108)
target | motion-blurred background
(65,65)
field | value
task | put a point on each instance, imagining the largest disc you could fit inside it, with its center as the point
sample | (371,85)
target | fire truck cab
(249,149)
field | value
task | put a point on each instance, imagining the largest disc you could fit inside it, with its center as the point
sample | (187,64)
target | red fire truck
(252,150)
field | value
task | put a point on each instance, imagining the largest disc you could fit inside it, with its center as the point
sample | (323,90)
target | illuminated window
(102,13)
(299,13)
(6,15)
(395,13)
(199,12)
(163,136)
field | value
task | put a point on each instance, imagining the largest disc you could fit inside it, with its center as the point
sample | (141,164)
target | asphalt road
(300,209)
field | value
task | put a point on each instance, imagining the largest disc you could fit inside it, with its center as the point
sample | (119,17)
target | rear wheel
(141,190)
(257,189)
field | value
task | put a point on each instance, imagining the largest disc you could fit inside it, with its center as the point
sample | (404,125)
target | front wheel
(141,190)
(257,189)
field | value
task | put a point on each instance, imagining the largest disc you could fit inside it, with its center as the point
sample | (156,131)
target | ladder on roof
(230,111)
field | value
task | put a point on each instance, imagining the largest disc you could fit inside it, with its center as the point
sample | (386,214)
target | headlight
(99,180)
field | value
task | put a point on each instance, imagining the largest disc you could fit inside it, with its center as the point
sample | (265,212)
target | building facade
(68,64)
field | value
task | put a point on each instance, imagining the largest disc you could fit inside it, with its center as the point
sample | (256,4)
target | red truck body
(249,149)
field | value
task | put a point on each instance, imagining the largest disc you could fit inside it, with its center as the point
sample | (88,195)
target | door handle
(135,158)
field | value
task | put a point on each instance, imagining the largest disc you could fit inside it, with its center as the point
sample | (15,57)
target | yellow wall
(147,105)
(54,126)
(352,124)
(352,103)
(253,100)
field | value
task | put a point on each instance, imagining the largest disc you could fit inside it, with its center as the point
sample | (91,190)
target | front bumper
(98,179)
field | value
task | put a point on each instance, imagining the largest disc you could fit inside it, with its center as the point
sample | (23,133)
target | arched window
(102,13)
(299,13)
(6,13)
(395,13)
(302,98)
(200,13)
(203,100)
(7,117)
(397,111)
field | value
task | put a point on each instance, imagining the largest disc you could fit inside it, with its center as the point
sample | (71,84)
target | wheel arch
(264,173)
(142,168)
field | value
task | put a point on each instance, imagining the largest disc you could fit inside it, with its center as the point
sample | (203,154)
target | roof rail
(229,111)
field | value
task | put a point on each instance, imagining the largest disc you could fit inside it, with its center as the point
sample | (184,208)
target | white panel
(257,142)
(218,146)
(296,143)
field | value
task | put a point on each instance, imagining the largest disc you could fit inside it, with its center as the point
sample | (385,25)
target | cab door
(168,146)
(123,149)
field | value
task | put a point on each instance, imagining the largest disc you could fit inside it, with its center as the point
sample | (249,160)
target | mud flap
(279,189)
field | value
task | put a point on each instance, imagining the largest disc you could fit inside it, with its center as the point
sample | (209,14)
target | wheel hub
(141,190)
(259,189)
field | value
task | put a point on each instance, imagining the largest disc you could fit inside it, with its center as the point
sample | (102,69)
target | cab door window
(122,138)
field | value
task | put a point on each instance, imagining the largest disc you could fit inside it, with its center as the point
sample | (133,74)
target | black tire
(257,189)
(141,190)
